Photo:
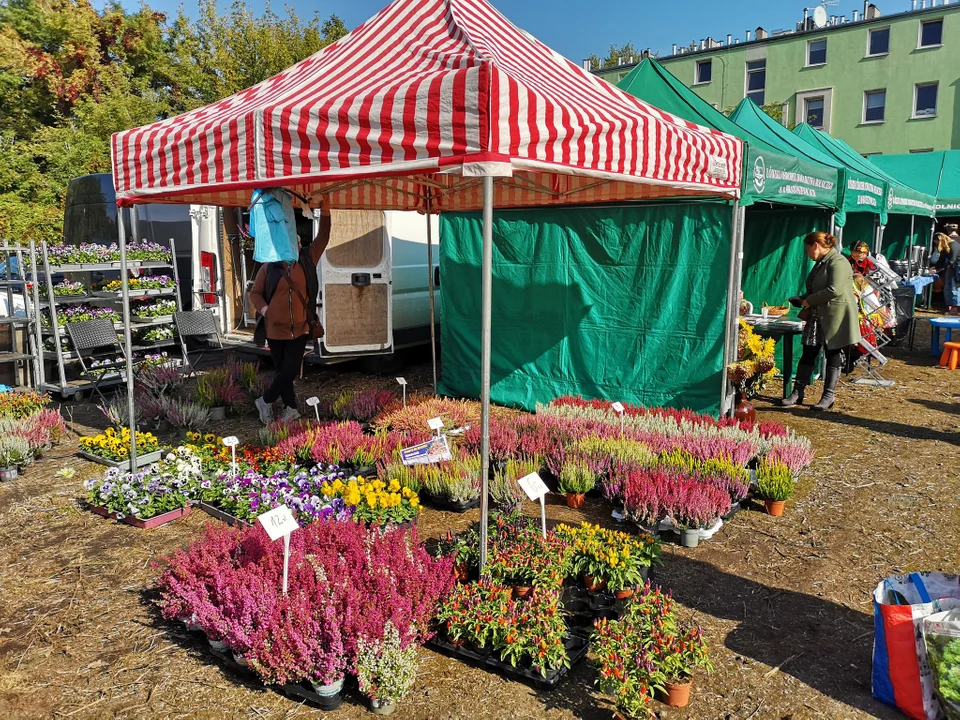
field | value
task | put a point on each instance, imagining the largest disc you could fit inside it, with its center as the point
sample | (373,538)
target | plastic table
(785,332)
(949,325)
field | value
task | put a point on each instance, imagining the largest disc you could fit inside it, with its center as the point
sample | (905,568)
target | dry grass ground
(785,603)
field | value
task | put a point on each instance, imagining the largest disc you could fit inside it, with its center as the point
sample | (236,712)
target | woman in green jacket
(833,320)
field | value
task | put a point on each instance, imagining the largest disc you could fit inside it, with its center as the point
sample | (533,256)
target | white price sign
(533,486)
(618,407)
(278,522)
(231,441)
(435,423)
(313,401)
(402,381)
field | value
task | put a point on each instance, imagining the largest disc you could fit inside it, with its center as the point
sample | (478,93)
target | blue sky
(579,28)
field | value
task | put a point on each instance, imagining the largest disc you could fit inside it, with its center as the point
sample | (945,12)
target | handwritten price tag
(278,522)
(533,486)
(231,441)
(617,407)
(435,423)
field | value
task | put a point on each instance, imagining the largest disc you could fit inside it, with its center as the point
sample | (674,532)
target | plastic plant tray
(157,520)
(142,460)
(577,648)
(214,511)
(442,503)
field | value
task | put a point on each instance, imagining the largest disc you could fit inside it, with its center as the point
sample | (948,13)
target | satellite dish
(819,17)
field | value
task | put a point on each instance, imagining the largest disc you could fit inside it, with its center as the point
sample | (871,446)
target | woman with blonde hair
(833,321)
(948,268)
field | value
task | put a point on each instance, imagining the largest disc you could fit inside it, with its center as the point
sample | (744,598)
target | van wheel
(383,364)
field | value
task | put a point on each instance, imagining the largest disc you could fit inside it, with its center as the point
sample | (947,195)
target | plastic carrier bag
(901,672)
(941,637)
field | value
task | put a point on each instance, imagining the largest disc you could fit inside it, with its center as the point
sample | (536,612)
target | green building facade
(885,84)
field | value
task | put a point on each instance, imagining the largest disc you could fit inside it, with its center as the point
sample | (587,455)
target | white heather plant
(384,669)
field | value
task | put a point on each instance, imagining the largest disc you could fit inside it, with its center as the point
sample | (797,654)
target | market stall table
(785,330)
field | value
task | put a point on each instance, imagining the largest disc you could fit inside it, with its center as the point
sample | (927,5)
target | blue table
(919,283)
(949,325)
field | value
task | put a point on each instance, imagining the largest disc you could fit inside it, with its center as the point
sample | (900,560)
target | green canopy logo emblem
(759,174)
(890,200)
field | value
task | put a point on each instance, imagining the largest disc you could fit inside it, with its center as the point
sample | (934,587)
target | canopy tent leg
(127,338)
(733,307)
(913,219)
(433,321)
(485,333)
(833,224)
(878,239)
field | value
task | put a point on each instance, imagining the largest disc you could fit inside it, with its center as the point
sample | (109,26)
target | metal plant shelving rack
(66,388)
(22,357)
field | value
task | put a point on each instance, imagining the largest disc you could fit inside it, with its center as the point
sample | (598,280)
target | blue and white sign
(434,451)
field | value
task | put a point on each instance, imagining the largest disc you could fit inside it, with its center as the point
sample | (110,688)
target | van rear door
(356,286)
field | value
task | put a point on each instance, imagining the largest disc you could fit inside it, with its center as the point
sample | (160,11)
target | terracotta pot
(575,500)
(460,573)
(521,591)
(774,507)
(593,584)
(677,696)
(744,411)
(624,594)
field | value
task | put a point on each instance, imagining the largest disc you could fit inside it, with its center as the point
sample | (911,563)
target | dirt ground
(785,603)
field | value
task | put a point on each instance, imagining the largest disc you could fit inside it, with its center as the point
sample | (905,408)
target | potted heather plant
(774,486)
(576,480)
(385,670)
(217,392)
(696,505)
(14,451)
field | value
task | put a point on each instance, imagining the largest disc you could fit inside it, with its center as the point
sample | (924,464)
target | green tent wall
(622,303)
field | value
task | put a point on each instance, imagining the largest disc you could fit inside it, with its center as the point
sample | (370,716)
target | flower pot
(521,591)
(382,707)
(241,660)
(217,645)
(218,413)
(163,425)
(575,500)
(328,690)
(8,473)
(190,624)
(677,695)
(456,643)
(690,537)
(624,594)
(594,584)
(774,507)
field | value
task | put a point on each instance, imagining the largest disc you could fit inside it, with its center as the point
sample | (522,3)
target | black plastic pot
(214,511)
(734,509)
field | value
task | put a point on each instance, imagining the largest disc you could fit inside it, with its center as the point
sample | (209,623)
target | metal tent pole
(485,325)
(433,321)
(127,339)
(913,219)
(733,307)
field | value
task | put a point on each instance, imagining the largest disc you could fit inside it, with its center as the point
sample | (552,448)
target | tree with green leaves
(618,55)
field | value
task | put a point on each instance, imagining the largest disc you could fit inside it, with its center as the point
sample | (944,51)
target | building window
(704,71)
(878,42)
(874,105)
(922,150)
(814,112)
(756,80)
(925,100)
(816,52)
(931,33)
(870,155)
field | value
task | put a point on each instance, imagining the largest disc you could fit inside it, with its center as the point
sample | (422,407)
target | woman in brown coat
(285,296)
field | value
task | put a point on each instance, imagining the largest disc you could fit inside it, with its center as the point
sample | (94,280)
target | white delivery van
(374,283)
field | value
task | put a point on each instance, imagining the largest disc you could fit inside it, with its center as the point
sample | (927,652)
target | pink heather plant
(695,504)
(504,440)
(365,405)
(796,454)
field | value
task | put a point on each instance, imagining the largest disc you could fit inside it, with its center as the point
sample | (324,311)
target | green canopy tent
(771,173)
(935,173)
(901,200)
(801,191)
(861,193)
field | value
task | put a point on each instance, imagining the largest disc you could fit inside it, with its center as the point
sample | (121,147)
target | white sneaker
(289,414)
(265,410)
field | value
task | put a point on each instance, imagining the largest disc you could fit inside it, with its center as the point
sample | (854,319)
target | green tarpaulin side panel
(897,238)
(948,197)
(860,226)
(865,191)
(771,173)
(622,303)
(775,264)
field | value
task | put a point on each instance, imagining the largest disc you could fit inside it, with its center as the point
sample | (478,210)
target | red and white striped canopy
(420,101)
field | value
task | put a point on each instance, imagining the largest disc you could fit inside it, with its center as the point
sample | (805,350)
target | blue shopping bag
(273,226)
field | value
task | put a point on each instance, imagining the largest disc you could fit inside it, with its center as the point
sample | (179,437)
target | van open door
(356,286)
